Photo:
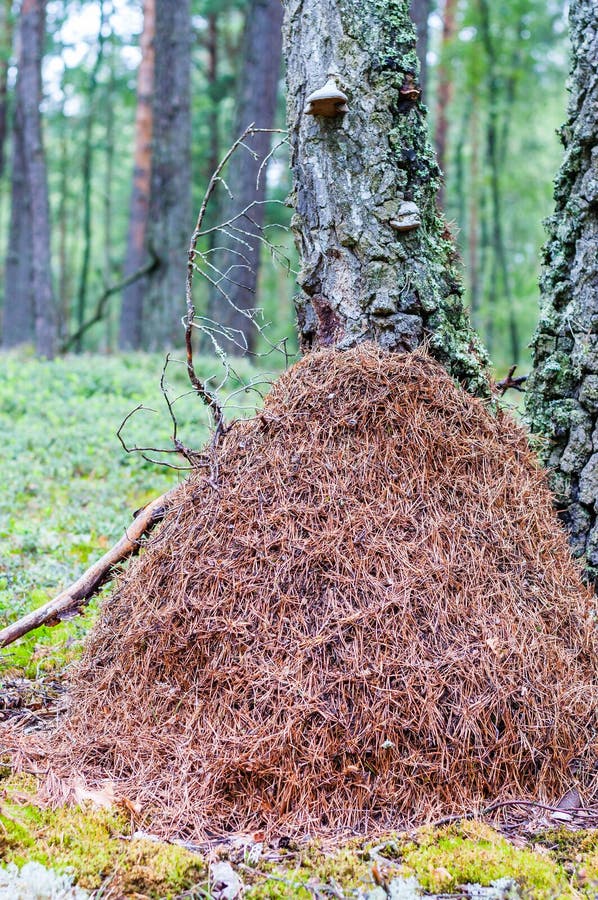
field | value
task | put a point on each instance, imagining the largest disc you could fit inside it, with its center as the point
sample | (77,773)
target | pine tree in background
(562,402)
(256,96)
(170,194)
(6,29)
(377,260)
(131,317)
(420,13)
(29,310)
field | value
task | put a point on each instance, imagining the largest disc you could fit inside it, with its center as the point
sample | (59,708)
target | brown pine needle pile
(373,620)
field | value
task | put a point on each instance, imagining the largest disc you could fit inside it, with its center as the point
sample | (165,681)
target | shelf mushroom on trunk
(327,101)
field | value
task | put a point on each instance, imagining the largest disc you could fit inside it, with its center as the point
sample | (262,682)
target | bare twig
(527,804)
(69,602)
(210,397)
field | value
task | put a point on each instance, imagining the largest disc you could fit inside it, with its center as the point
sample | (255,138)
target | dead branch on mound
(198,261)
(69,602)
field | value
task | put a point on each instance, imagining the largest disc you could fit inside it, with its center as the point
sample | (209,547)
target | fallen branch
(102,300)
(70,601)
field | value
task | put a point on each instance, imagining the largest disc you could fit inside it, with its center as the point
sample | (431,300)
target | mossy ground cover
(100,849)
(68,490)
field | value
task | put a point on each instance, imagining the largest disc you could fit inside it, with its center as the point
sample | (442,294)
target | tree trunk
(87,176)
(256,97)
(360,181)
(500,267)
(18,318)
(170,195)
(562,402)
(6,28)
(131,315)
(445,91)
(32,28)
(420,13)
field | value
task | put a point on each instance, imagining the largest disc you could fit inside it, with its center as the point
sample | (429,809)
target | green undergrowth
(97,847)
(68,487)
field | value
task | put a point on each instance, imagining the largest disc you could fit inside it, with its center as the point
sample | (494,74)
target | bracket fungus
(327,101)
(407,217)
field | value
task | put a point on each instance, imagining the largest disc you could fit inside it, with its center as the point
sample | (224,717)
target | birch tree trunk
(132,304)
(360,179)
(562,402)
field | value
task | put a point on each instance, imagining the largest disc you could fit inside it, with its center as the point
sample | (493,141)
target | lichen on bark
(362,278)
(562,404)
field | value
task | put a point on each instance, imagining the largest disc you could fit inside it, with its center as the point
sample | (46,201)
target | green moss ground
(97,848)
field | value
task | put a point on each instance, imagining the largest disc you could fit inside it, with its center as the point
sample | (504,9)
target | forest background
(494,78)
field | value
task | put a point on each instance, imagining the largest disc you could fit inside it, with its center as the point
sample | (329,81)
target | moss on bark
(562,403)
(362,277)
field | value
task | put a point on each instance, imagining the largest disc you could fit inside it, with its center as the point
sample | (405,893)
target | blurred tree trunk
(562,401)
(213,117)
(169,223)
(108,265)
(87,175)
(500,268)
(420,13)
(131,316)
(256,97)
(29,255)
(64,213)
(445,91)
(359,181)
(473,223)
(18,313)
(6,29)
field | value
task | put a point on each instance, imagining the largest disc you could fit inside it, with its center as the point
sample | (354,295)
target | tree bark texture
(29,88)
(362,278)
(420,13)
(132,302)
(562,402)
(257,92)
(170,196)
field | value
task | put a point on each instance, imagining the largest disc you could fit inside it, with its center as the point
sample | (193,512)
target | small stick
(69,602)
(509,382)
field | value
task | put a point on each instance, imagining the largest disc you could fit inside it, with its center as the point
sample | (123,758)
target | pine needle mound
(375,619)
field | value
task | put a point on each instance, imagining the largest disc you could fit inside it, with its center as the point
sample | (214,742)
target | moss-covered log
(563,390)
(378,262)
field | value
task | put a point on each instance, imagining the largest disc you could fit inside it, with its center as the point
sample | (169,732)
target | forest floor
(68,492)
